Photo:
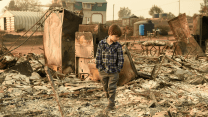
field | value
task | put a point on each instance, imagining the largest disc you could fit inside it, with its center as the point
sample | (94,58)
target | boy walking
(109,62)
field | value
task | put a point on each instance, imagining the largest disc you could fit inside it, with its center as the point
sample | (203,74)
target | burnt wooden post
(54,90)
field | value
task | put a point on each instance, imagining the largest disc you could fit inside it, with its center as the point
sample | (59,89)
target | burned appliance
(59,39)
(84,52)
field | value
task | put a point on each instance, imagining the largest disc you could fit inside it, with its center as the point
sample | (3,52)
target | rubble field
(179,89)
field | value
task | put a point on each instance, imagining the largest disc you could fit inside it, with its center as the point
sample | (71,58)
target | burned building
(200,28)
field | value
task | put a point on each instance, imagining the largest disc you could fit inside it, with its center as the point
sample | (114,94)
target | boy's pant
(109,81)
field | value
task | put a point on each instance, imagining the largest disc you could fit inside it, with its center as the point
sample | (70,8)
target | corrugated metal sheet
(181,32)
(25,13)
(22,19)
(26,19)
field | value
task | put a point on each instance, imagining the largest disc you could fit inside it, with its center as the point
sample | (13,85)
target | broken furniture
(161,45)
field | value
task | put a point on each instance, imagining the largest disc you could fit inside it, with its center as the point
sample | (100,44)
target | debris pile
(179,89)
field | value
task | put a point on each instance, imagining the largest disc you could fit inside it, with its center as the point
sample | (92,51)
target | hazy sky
(142,7)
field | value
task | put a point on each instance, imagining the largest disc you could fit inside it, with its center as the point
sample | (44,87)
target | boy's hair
(114,30)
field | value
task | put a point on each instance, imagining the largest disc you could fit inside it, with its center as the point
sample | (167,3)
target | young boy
(109,62)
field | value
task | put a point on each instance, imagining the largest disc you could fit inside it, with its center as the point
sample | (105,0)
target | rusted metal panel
(181,32)
(84,45)
(180,28)
(59,39)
